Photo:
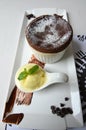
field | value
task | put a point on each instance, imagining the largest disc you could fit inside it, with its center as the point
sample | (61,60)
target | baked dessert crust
(49,33)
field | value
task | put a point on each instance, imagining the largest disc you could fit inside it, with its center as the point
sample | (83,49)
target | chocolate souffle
(49,34)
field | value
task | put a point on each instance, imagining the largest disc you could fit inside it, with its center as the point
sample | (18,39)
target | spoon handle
(57,77)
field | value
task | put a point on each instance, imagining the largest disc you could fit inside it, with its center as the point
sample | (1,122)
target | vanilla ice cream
(31,81)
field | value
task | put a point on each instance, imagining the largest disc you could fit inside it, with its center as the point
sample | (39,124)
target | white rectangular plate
(38,114)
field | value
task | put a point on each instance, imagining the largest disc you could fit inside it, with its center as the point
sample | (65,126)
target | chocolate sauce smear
(10,103)
(14,118)
(19,98)
(23,98)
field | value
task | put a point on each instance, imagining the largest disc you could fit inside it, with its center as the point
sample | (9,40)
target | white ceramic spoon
(51,78)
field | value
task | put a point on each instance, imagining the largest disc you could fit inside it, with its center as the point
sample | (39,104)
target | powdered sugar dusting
(50,31)
(41,24)
(64,38)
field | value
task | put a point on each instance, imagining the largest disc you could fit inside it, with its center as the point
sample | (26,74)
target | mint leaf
(25,72)
(33,69)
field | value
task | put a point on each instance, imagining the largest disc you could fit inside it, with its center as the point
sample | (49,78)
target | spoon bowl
(51,78)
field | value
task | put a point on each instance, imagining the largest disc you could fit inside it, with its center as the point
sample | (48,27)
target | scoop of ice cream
(31,81)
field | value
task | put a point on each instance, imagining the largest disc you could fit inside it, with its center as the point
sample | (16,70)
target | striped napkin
(79,47)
